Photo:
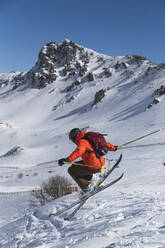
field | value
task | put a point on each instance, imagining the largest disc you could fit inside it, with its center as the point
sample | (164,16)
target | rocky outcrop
(122,66)
(73,86)
(44,72)
(107,72)
(135,59)
(66,52)
(73,63)
(71,58)
(90,77)
(160,91)
(14,151)
(99,96)
(157,93)
(155,101)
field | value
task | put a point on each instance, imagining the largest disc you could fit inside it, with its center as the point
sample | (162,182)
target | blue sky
(112,27)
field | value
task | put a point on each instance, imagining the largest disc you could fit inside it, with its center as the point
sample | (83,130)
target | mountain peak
(68,60)
(68,57)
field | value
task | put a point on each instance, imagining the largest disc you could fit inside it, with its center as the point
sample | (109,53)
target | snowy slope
(36,121)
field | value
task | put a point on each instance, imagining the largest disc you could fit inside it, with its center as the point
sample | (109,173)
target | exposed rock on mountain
(157,93)
(155,101)
(71,68)
(99,96)
(65,59)
(160,91)
(14,151)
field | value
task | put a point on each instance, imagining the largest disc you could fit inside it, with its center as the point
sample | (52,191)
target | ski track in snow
(32,232)
(125,220)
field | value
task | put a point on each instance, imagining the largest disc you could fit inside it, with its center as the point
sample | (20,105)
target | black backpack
(97,142)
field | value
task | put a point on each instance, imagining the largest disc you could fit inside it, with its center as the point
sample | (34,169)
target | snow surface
(129,214)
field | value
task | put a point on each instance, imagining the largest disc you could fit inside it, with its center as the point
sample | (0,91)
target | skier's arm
(78,152)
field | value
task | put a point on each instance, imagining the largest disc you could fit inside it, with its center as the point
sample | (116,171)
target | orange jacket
(85,151)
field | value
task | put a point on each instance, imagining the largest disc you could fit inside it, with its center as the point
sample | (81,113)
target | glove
(116,147)
(62,161)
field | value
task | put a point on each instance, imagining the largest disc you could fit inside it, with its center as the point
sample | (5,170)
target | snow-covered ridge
(69,60)
(81,67)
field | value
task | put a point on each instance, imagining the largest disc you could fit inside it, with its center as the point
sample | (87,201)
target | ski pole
(75,163)
(159,130)
(48,162)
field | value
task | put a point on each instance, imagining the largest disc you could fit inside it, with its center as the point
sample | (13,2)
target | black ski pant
(81,174)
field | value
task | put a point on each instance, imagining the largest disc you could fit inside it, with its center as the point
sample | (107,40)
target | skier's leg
(82,175)
(78,173)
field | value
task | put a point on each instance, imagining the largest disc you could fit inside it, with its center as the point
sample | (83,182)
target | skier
(82,175)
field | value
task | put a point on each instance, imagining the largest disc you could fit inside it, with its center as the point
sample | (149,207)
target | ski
(97,185)
(66,208)
(92,193)
(82,201)
(109,171)
(75,210)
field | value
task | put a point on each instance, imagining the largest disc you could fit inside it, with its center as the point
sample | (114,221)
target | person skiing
(82,175)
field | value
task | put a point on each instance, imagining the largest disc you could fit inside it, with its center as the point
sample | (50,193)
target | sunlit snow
(129,214)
